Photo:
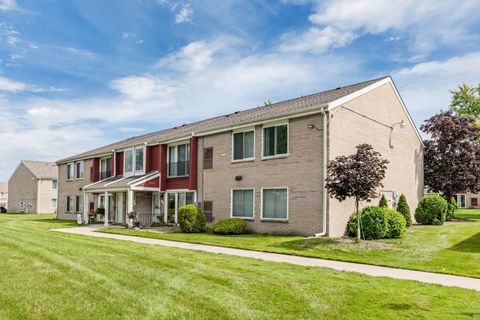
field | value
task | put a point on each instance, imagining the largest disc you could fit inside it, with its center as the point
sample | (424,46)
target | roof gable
(42,169)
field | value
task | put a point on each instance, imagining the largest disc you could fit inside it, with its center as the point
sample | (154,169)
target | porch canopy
(129,184)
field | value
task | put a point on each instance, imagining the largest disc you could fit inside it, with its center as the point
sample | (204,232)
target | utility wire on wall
(366,117)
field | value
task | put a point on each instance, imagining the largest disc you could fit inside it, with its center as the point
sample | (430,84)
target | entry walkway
(376,271)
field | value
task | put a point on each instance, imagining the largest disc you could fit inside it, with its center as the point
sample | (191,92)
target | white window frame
(187,143)
(68,207)
(243,130)
(78,204)
(270,125)
(70,165)
(54,206)
(288,204)
(100,165)
(231,203)
(134,172)
(75,170)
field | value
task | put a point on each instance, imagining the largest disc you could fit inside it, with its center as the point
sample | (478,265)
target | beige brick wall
(22,186)
(347,130)
(71,188)
(143,202)
(45,194)
(301,172)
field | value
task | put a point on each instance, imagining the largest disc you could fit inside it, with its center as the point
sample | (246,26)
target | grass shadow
(471,245)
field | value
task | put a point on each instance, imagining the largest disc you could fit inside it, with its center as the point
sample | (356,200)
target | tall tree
(452,154)
(466,101)
(357,175)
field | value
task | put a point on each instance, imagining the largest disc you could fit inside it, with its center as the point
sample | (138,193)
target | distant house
(33,187)
(4,195)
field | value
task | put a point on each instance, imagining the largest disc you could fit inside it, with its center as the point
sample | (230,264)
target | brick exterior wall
(22,186)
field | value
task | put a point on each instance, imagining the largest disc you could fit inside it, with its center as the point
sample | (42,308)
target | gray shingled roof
(42,169)
(3,186)
(287,107)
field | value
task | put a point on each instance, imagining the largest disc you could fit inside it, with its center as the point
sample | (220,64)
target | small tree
(404,209)
(383,202)
(452,154)
(466,101)
(356,175)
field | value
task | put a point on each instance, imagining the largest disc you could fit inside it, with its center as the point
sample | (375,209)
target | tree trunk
(358,219)
(448,197)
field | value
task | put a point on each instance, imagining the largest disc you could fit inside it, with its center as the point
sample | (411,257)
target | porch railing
(179,169)
(148,219)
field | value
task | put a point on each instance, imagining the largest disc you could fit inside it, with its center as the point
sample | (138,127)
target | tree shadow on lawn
(471,244)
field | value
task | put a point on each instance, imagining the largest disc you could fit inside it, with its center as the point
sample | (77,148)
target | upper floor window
(79,170)
(70,171)
(105,168)
(134,161)
(54,184)
(208,158)
(275,140)
(179,160)
(243,145)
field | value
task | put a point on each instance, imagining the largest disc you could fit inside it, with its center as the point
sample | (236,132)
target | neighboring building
(467,199)
(4,195)
(266,165)
(33,187)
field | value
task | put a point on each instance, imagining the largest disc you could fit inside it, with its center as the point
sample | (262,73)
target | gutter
(324,172)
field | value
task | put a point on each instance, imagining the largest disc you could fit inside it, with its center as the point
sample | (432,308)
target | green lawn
(453,248)
(50,275)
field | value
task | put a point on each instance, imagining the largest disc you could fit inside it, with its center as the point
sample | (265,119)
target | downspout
(324,172)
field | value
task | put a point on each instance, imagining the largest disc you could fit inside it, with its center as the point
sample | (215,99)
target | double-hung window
(242,203)
(105,168)
(243,145)
(78,204)
(54,184)
(179,160)
(70,204)
(134,161)
(275,203)
(70,171)
(275,140)
(79,170)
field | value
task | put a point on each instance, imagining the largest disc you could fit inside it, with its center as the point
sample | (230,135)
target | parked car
(3,210)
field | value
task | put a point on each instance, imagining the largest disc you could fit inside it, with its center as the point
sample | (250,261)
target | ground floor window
(175,200)
(54,203)
(474,202)
(70,204)
(460,199)
(242,203)
(275,203)
(78,204)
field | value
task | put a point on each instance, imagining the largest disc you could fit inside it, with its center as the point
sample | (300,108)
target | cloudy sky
(78,74)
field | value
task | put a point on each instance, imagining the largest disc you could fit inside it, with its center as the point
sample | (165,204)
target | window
(70,171)
(275,140)
(78,204)
(474,202)
(208,210)
(70,204)
(105,168)
(178,160)
(275,203)
(54,184)
(79,170)
(242,203)
(207,158)
(243,145)
(134,161)
(54,203)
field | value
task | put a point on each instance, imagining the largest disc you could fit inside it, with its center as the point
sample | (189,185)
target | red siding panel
(193,163)
(95,175)
(119,164)
(163,167)
(178,183)
(152,183)
(154,158)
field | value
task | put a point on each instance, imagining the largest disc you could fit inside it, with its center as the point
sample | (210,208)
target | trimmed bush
(191,219)
(230,226)
(383,202)
(378,223)
(431,210)
(404,210)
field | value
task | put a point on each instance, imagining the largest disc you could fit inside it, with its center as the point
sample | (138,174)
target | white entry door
(119,207)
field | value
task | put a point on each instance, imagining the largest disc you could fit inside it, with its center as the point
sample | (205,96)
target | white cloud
(9,34)
(184,15)
(142,87)
(317,40)
(6,5)
(10,85)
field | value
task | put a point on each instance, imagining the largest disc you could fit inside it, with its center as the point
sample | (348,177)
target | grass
(453,248)
(50,275)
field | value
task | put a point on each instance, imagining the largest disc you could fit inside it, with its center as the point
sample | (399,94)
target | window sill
(243,160)
(244,218)
(274,220)
(280,156)
(173,177)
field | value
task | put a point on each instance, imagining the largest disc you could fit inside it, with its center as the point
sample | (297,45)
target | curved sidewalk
(371,270)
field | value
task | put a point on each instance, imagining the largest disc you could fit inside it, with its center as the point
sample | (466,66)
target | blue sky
(75,75)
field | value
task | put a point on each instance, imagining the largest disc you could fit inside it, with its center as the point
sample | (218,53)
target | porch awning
(143,182)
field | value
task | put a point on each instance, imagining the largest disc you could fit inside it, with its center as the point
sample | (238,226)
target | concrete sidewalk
(376,271)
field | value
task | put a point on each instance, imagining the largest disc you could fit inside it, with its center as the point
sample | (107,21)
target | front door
(119,207)
(156,206)
(461,203)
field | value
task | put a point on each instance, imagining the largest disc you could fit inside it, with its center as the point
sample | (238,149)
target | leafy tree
(452,154)
(383,202)
(404,209)
(356,175)
(466,101)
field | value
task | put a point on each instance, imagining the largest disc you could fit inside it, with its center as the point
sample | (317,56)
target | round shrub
(191,219)
(397,225)
(230,226)
(431,210)
(404,209)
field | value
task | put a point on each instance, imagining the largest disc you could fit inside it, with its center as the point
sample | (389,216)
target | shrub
(397,224)
(378,223)
(191,219)
(431,210)
(383,202)
(404,210)
(230,226)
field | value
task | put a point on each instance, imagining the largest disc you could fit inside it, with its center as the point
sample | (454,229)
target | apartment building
(4,195)
(266,165)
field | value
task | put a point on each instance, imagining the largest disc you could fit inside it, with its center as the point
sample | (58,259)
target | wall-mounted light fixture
(312,126)
(401,124)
